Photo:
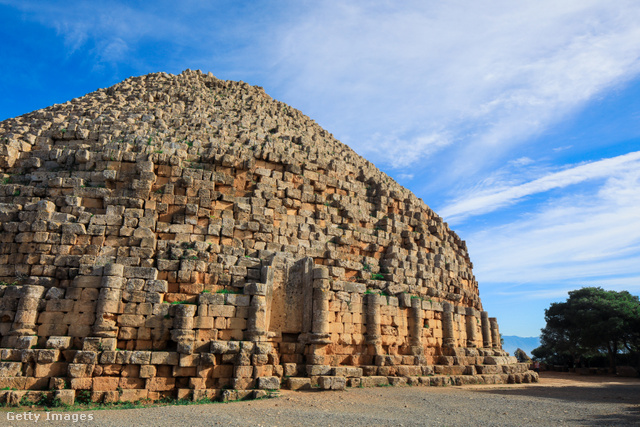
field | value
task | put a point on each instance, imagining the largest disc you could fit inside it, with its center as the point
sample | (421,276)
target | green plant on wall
(228,291)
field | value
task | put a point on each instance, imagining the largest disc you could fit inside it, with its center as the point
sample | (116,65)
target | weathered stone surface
(182,233)
(269,383)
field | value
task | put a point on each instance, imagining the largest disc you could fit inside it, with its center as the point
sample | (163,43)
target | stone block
(156,286)
(219,347)
(88,282)
(255,289)
(317,370)
(10,369)
(133,395)
(238,300)
(81,383)
(147,273)
(113,282)
(131,320)
(47,355)
(49,370)
(58,383)
(374,381)
(160,384)
(212,299)
(79,370)
(92,344)
(222,371)
(147,371)
(269,383)
(113,270)
(222,310)
(141,357)
(298,383)
(105,383)
(489,369)
(65,397)
(85,357)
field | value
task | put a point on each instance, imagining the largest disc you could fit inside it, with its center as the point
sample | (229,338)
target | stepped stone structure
(184,236)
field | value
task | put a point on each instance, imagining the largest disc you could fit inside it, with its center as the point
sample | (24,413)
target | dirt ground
(560,399)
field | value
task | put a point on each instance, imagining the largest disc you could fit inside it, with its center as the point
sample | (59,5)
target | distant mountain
(513,342)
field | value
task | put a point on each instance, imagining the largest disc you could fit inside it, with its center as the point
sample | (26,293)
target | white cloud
(480,202)
(394,149)
(107,30)
(401,82)
(587,239)
(563,148)
(478,78)
(114,50)
(406,176)
(522,161)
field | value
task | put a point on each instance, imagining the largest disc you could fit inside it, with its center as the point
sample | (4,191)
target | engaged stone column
(486,330)
(448,339)
(495,333)
(320,331)
(374,333)
(109,301)
(257,316)
(417,316)
(320,321)
(308,274)
(182,332)
(472,321)
(24,321)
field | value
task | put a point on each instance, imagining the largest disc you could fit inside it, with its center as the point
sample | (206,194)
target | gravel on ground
(559,399)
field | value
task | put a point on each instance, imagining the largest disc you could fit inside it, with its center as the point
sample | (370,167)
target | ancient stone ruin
(191,237)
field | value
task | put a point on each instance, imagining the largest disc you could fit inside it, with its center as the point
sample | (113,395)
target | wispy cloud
(480,202)
(107,29)
(408,84)
(147,34)
(478,79)
(589,238)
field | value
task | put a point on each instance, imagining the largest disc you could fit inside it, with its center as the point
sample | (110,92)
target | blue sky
(518,122)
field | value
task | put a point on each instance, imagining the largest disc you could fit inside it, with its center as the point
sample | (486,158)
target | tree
(592,320)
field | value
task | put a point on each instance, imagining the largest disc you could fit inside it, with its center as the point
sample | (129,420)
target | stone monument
(185,236)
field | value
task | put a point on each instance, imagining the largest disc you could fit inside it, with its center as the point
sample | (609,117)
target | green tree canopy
(592,320)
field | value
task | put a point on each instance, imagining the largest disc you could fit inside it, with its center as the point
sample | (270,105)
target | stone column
(320,319)
(24,321)
(257,318)
(417,315)
(109,301)
(472,320)
(374,333)
(308,274)
(182,332)
(486,330)
(320,334)
(448,339)
(495,333)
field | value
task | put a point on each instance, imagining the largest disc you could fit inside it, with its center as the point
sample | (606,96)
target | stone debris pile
(190,237)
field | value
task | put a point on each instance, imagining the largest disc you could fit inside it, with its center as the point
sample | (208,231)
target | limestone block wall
(178,233)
